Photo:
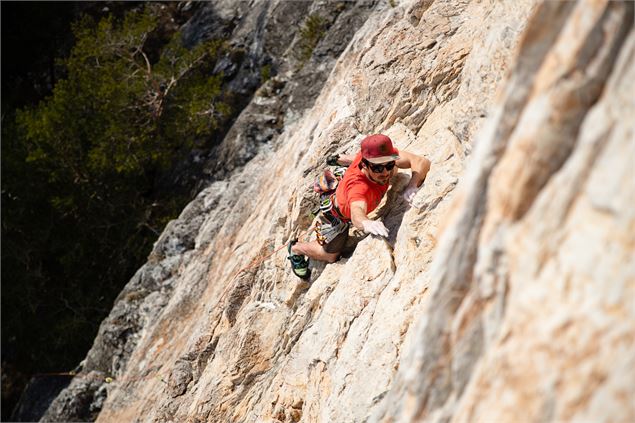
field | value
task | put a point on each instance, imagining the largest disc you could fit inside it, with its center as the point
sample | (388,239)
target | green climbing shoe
(299,264)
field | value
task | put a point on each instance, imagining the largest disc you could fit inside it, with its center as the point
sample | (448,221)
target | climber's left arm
(418,164)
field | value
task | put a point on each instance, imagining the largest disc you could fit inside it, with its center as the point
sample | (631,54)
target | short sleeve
(358,193)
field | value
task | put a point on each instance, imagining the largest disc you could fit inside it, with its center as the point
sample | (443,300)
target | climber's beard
(381,179)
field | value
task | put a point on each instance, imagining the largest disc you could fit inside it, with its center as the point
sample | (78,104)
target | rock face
(280,54)
(506,293)
(37,396)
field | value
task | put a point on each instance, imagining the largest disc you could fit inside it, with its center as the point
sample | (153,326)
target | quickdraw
(321,239)
(339,172)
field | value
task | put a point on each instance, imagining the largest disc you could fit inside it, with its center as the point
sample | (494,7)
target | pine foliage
(81,206)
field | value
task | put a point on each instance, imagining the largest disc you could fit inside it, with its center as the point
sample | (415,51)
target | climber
(358,193)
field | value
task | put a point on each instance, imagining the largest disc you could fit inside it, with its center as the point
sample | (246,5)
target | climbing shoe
(299,264)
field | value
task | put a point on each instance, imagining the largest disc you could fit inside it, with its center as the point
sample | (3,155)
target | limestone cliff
(506,293)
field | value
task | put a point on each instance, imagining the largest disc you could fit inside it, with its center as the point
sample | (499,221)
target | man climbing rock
(358,193)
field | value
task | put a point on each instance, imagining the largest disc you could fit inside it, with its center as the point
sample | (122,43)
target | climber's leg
(314,251)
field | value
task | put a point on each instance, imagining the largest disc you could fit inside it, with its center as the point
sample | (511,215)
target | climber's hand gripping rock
(375,227)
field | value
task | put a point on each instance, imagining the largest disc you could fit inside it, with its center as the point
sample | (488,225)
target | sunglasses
(378,168)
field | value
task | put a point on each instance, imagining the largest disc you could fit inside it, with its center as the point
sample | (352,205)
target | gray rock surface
(37,396)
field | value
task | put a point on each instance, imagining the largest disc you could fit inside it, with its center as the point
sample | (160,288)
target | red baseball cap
(378,149)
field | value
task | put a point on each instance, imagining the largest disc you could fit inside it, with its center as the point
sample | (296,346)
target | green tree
(80,203)
(118,112)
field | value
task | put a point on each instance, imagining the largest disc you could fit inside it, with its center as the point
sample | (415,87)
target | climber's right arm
(340,160)
(345,159)
(361,221)
(358,214)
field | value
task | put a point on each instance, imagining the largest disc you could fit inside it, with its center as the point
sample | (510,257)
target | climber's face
(380,173)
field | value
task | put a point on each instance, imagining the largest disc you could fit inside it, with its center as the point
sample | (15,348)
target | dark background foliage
(99,104)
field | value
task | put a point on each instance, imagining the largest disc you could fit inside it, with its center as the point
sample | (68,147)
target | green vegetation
(116,112)
(265,73)
(82,204)
(311,33)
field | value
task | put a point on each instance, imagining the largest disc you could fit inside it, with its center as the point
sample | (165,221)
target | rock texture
(279,56)
(506,293)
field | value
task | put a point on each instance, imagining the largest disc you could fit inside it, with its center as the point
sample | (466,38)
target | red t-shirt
(355,186)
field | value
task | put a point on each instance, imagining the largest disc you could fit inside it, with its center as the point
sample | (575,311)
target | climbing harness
(331,223)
